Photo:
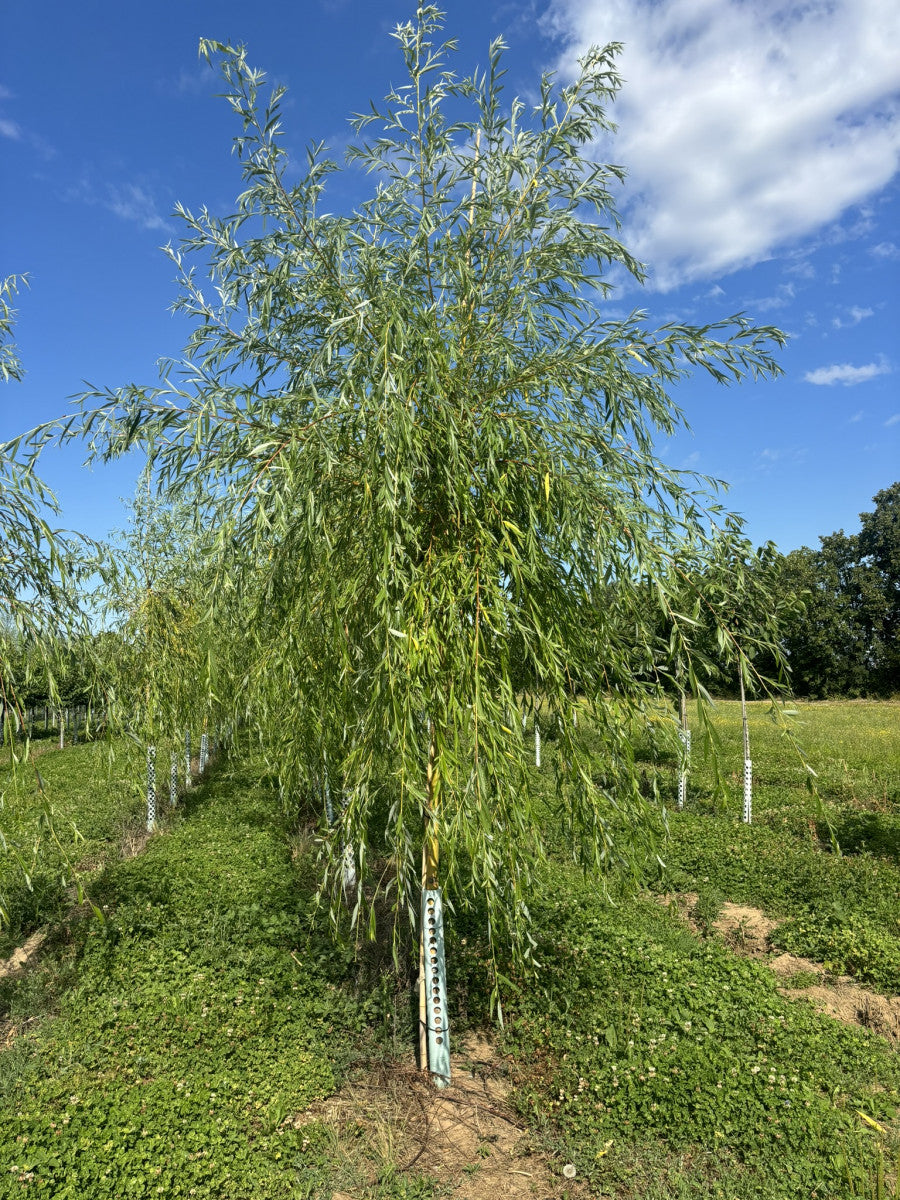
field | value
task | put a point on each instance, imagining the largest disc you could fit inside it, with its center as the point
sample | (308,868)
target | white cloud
(800,267)
(129,202)
(892,420)
(5,92)
(783,295)
(885,250)
(854,316)
(847,374)
(132,203)
(857,416)
(198,82)
(743,126)
(9,129)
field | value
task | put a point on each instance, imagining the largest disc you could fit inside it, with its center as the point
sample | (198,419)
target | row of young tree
(403,484)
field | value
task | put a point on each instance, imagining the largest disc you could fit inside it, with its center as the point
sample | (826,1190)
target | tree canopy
(427,450)
(39,565)
(847,640)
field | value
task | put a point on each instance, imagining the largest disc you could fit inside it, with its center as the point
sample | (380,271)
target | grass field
(167,1050)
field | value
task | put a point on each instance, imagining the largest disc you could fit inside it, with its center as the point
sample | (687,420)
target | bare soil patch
(746,929)
(853,1005)
(22,956)
(466,1135)
(748,932)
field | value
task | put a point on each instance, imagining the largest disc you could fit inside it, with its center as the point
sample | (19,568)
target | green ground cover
(164,1051)
(60,811)
(663,1064)
(178,1035)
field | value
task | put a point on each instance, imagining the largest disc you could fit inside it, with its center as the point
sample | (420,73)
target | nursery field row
(175,1048)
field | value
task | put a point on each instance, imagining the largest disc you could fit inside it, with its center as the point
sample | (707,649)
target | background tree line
(845,640)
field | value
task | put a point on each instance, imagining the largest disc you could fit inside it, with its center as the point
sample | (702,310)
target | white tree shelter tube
(748,765)
(151,789)
(436,1023)
(685,736)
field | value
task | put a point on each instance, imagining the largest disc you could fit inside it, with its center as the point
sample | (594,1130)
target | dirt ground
(465,1135)
(22,956)
(748,931)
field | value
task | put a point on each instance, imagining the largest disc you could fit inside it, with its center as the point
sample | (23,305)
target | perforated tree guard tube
(437,1025)
(748,792)
(329,807)
(348,868)
(173,779)
(151,788)
(204,751)
(537,741)
(685,736)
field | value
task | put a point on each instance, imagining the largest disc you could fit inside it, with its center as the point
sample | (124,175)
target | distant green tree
(879,553)
(847,641)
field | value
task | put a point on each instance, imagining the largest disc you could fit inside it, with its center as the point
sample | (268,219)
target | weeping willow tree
(40,567)
(431,450)
(163,667)
(40,618)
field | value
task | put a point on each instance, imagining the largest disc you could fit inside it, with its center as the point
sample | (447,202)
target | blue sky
(762,143)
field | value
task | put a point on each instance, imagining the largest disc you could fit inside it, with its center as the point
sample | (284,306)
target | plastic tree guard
(151,788)
(436,985)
